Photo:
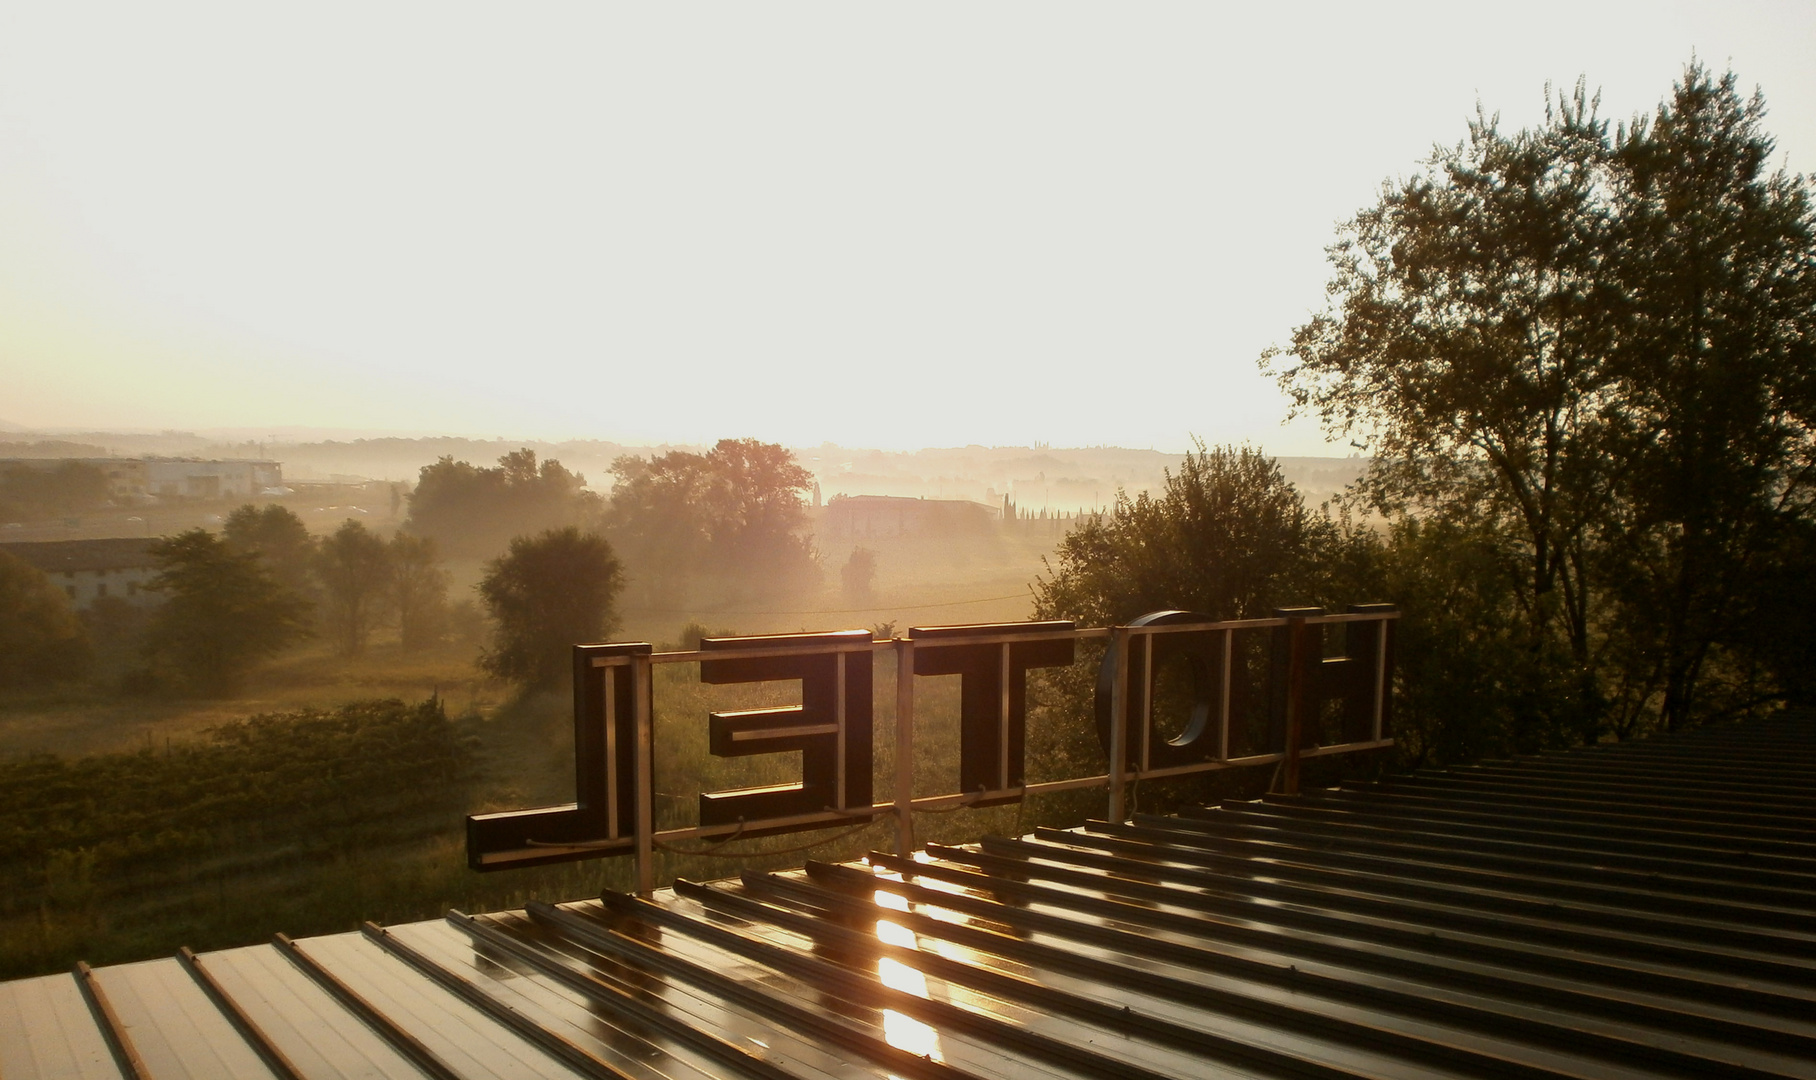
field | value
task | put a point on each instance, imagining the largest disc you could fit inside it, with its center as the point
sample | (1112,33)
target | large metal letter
(831,728)
(1202,739)
(602,818)
(1356,677)
(993,692)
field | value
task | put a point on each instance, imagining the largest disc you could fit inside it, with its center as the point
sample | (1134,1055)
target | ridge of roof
(108,553)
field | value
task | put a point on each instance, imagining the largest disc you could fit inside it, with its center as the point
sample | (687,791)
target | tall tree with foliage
(1228,536)
(41,640)
(547,594)
(473,510)
(354,568)
(1467,339)
(223,611)
(419,591)
(1593,347)
(279,538)
(1717,373)
(735,516)
(658,521)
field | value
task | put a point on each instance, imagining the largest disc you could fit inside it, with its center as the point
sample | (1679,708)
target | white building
(194,478)
(87,570)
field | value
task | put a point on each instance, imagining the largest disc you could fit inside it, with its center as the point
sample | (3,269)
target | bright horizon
(895,228)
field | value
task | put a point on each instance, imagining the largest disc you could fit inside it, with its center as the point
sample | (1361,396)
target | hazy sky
(881,225)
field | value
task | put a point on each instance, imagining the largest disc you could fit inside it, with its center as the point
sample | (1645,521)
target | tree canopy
(281,541)
(41,640)
(1599,343)
(419,590)
(1228,537)
(547,594)
(223,611)
(733,517)
(474,510)
(354,568)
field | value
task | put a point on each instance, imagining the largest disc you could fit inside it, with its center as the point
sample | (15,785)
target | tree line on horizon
(730,520)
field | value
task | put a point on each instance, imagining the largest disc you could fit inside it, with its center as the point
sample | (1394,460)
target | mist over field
(389,553)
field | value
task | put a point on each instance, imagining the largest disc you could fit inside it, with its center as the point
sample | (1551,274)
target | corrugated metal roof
(1637,910)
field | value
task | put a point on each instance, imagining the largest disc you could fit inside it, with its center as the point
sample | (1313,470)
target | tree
(280,539)
(1228,537)
(757,508)
(858,576)
(1717,373)
(658,520)
(470,510)
(734,516)
(547,594)
(71,487)
(41,640)
(1599,348)
(1467,339)
(354,568)
(223,611)
(419,591)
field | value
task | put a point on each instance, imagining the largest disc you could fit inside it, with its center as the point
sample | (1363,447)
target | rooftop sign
(1315,684)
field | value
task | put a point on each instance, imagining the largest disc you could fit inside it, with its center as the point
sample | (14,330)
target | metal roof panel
(1618,912)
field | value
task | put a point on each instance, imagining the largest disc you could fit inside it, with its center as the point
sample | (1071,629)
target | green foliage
(858,576)
(41,640)
(69,488)
(548,594)
(474,511)
(281,541)
(1590,353)
(354,568)
(1715,371)
(419,591)
(1458,666)
(732,519)
(102,845)
(1228,537)
(223,611)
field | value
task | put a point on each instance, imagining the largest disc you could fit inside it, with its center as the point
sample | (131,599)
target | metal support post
(1295,704)
(904,747)
(645,794)
(1119,722)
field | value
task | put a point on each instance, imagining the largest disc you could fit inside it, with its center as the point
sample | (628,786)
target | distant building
(862,517)
(194,478)
(87,570)
(170,478)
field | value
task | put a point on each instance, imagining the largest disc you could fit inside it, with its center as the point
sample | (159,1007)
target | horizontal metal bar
(1089,633)
(1048,787)
(1345,748)
(1255,759)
